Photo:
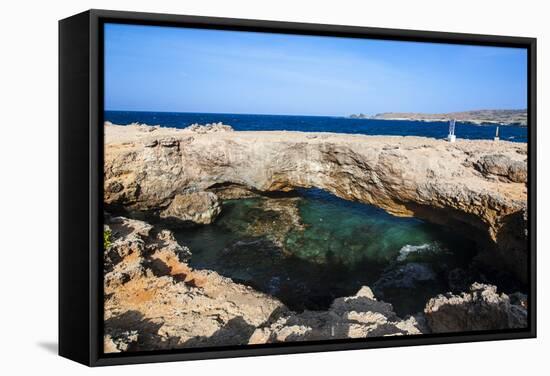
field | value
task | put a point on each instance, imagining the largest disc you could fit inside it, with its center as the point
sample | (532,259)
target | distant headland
(500,117)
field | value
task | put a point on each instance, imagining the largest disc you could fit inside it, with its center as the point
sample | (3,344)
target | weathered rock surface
(132,241)
(194,207)
(503,167)
(357,316)
(209,128)
(482,308)
(154,300)
(451,184)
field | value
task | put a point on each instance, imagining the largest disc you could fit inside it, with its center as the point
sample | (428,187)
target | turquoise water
(309,249)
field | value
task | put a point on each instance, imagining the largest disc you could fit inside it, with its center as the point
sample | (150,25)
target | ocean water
(339,247)
(319,124)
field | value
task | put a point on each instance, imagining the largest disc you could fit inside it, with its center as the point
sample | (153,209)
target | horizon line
(343,116)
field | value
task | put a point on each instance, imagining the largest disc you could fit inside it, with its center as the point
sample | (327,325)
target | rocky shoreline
(154,300)
(480,117)
(475,187)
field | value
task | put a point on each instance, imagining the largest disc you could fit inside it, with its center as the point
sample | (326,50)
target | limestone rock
(475,187)
(357,316)
(169,142)
(120,341)
(154,300)
(209,128)
(482,308)
(503,167)
(151,144)
(133,242)
(195,207)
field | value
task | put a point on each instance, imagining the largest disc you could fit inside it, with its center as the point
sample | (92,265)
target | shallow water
(310,249)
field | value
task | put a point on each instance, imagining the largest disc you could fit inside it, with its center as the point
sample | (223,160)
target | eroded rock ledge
(477,187)
(154,300)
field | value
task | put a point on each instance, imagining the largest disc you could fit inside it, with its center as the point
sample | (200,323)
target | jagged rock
(154,300)
(120,341)
(407,176)
(133,242)
(195,207)
(504,167)
(209,128)
(114,187)
(151,144)
(520,299)
(232,192)
(169,142)
(357,316)
(366,292)
(482,308)
(169,305)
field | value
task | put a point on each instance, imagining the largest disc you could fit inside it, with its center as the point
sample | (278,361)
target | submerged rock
(405,276)
(232,191)
(482,308)
(470,186)
(277,219)
(155,301)
(407,286)
(195,207)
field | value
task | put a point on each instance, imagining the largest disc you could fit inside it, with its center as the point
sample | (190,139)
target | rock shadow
(512,243)
(131,331)
(235,332)
(467,317)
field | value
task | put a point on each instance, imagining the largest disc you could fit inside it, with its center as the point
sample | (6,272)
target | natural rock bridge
(475,187)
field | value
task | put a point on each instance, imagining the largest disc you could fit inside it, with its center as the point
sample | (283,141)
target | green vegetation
(107,238)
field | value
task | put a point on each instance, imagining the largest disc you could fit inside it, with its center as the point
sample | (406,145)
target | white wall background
(28,185)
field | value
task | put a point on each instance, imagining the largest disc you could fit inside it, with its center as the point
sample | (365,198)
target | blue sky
(149,68)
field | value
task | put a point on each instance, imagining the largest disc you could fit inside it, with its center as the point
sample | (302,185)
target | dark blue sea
(241,122)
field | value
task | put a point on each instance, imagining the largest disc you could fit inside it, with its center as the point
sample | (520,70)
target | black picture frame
(81,196)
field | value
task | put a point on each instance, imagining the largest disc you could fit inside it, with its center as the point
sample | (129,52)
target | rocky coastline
(155,300)
(480,117)
(472,186)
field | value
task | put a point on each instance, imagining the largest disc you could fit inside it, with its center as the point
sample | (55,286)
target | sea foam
(408,249)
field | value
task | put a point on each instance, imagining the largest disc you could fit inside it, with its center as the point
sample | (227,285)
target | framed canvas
(234,187)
